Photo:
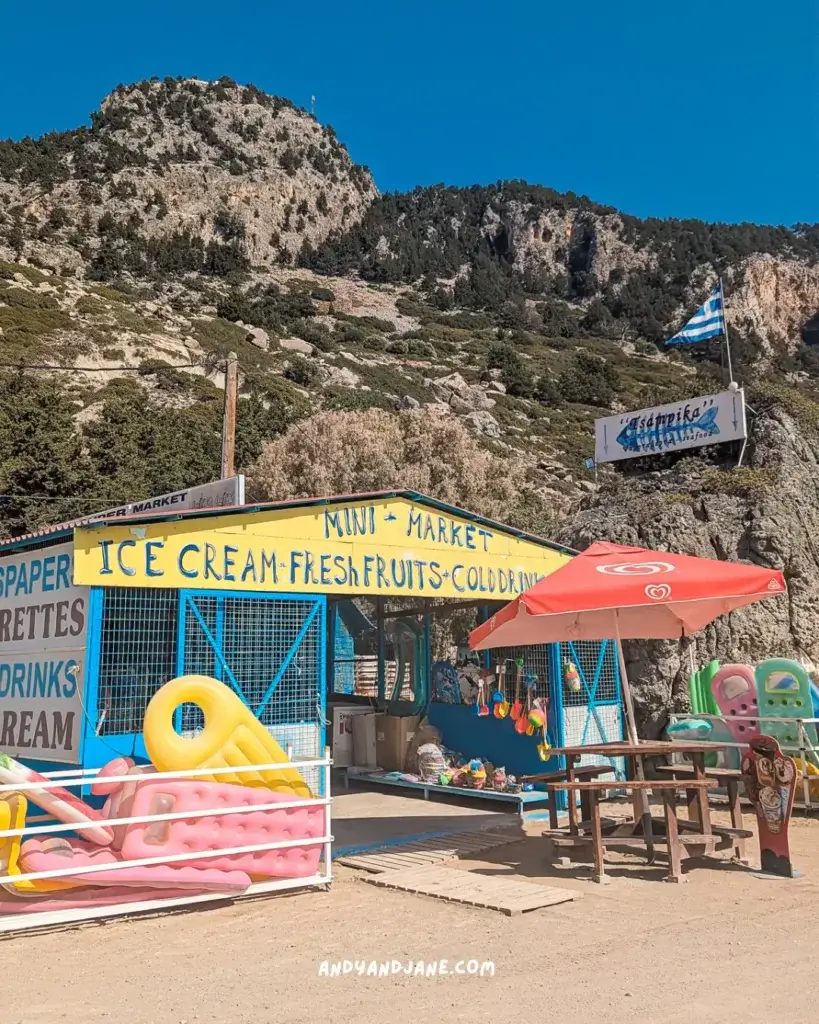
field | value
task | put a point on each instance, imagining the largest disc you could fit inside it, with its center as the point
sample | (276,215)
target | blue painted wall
(488,737)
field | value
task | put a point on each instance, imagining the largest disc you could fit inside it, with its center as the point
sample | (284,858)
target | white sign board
(43,625)
(711,419)
(220,494)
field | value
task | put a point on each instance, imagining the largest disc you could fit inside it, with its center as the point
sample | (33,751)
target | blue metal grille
(592,713)
(596,663)
(270,651)
(138,653)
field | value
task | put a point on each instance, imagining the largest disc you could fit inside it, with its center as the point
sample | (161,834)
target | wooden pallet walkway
(509,896)
(423,852)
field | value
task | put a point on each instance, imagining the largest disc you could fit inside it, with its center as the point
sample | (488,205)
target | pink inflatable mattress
(223,831)
(53,854)
(81,899)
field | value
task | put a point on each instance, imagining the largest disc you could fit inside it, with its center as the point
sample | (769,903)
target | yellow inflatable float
(13,807)
(232,737)
(813,778)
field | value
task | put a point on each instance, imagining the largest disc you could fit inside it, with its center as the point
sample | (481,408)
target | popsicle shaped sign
(770,783)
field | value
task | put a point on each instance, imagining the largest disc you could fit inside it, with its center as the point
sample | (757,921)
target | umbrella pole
(631,723)
(631,727)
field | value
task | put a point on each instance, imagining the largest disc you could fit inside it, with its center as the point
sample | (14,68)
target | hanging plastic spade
(544,749)
(501,708)
(482,707)
(517,707)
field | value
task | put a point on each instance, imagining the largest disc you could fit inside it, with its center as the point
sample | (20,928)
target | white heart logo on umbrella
(658,591)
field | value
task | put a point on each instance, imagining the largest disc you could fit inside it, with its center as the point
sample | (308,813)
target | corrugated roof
(66,529)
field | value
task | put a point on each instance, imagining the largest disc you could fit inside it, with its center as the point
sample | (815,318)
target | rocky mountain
(179,175)
(527,246)
(191,219)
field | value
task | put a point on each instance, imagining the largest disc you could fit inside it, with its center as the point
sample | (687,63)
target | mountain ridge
(194,219)
(190,218)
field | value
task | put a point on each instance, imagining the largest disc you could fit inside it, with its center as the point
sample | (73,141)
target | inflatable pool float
(232,737)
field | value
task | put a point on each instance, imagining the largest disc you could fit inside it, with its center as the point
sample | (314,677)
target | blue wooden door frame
(187,603)
(98,750)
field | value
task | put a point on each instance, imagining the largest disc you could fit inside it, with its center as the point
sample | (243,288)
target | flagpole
(725,332)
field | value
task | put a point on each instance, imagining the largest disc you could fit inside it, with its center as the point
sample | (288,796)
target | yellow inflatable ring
(232,737)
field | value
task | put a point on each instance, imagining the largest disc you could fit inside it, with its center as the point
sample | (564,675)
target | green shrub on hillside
(515,374)
(589,380)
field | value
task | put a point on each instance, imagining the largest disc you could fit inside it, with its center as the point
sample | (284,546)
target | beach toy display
(737,702)
(476,774)
(536,721)
(783,691)
(481,707)
(232,737)
(523,725)
(533,708)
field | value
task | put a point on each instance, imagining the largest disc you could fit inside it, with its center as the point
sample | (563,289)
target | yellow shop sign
(388,546)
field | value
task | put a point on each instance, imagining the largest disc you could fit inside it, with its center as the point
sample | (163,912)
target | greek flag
(706,323)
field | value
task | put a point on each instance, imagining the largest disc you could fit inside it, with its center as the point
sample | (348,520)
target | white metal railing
(801,749)
(79,778)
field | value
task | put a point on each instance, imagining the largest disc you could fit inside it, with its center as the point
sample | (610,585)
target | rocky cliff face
(765,512)
(216,160)
(770,297)
(776,299)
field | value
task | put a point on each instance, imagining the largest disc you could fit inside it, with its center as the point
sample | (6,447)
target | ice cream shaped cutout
(770,783)
(734,690)
(783,689)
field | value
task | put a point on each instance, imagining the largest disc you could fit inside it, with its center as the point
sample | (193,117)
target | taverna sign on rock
(711,419)
(387,546)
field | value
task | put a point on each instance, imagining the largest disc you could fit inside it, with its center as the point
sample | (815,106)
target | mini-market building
(95,618)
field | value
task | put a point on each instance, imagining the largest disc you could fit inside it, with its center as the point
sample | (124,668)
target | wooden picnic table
(730,778)
(634,755)
(693,836)
(586,771)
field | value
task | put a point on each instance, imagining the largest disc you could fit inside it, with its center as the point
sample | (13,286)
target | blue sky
(685,108)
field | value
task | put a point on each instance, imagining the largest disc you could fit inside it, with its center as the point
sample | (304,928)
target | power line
(61,497)
(150,368)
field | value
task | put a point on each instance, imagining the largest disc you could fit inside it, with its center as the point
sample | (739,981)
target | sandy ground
(724,947)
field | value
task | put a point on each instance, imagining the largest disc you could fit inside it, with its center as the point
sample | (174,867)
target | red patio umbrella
(615,592)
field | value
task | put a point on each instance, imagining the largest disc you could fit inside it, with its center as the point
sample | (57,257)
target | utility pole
(229,421)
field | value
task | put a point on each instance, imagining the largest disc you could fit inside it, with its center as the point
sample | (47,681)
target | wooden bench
(585,772)
(704,840)
(730,778)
